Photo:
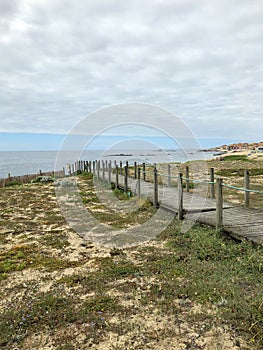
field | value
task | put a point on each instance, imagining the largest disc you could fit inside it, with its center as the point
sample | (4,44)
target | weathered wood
(187,178)
(139,182)
(169,175)
(247,187)
(121,168)
(103,171)
(212,180)
(143,171)
(239,222)
(126,178)
(180,197)
(117,176)
(109,172)
(219,204)
(135,170)
(98,169)
(155,183)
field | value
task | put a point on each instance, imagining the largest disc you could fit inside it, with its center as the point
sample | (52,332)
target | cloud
(201,60)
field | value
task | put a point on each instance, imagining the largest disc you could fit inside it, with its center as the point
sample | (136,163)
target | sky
(60,61)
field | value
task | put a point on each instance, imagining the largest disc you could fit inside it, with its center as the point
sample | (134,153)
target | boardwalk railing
(139,172)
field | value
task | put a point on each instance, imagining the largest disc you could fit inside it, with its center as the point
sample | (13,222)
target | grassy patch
(21,257)
(55,239)
(235,157)
(54,311)
(239,172)
(12,183)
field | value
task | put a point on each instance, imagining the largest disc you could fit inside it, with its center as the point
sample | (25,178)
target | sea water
(31,162)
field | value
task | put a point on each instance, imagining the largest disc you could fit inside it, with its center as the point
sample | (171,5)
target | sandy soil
(29,215)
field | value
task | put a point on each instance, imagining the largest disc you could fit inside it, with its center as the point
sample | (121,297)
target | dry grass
(192,291)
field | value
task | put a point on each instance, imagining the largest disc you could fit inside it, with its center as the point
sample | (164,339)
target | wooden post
(155,187)
(103,171)
(135,170)
(98,169)
(115,163)
(143,170)
(109,172)
(212,185)
(247,187)
(139,182)
(219,204)
(126,179)
(187,177)
(180,197)
(117,176)
(106,165)
(94,168)
(120,167)
(169,175)
(40,172)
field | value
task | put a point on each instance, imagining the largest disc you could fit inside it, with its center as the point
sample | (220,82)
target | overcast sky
(201,60)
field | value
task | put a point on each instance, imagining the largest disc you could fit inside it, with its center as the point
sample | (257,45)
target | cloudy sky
(202,60)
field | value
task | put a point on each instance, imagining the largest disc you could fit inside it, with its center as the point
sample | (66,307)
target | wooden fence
(27,178)
(140,172)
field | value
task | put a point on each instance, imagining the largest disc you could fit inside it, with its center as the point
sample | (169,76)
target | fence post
(126,178)
(139,182)
(109,172)
(115,163)
(103,170)
(247,187)
(212,185)
(180,196)
(120,167)
(169,174)
(219,204)
(117,176)
(143,169)
(94,168)
(135,170)
(155,187)
(98,169)
(187,177)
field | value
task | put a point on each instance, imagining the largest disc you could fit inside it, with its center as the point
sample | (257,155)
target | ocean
(18,163)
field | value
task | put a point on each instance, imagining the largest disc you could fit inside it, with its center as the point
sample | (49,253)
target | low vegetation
(197,290)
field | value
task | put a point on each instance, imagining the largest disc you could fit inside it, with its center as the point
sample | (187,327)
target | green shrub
(12,183)
(43,179)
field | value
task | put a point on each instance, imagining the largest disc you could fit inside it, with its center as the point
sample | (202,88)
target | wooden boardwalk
(239,222)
